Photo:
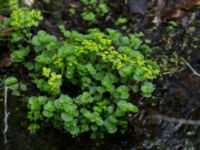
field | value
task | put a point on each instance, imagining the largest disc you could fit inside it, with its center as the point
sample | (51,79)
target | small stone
(138,6)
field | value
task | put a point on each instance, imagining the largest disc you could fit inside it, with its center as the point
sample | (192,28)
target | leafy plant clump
(93,10)
(14,85)
(106,68)
(86,82)
(21,21)
(8,5)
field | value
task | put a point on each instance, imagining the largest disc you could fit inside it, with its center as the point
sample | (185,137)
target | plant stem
(6,114)
(191,68)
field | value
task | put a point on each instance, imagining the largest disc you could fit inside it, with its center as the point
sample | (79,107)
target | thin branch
(6,114)
(177,120)
(191,68)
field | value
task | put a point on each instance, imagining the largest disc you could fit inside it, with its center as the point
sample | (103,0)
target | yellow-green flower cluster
(46,72)
(87,45)
(24,18)
(103,47)
(58,60)
(99,43)
(105,41)
(150,71)
(101,39)
(55,81)
(96,46)
(115,57)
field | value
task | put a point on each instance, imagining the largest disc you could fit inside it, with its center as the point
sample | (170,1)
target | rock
(138,6)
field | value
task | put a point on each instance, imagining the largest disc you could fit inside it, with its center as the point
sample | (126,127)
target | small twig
(28,2)
(191,68)
(6,114)
(177,120)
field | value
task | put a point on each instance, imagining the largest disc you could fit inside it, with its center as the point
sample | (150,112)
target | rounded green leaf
(66,117)
(10,80)
(47,114)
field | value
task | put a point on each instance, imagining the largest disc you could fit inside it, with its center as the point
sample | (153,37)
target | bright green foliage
(33,127)
(10,81)
(123,107)
(21,21)
(121,21)
(20,54)
(8,5)
(93,10)
(147,88)
(13,4)
(102,8)
(171,25)
(123,91)
(14,85)
(89,16)
(72,11)
(107,68)
(23,18)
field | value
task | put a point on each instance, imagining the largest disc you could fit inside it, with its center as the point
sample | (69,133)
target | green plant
(46,1)
(171,25)
(21,21)
(14,85)
(106,68)
(8,5)
(171,63)
(121,21)
(147,89)
(93,10)
(89,16)
(72,11)
(23,18)
(102,8)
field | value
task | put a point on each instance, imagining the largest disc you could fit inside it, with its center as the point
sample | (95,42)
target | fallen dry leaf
(6,32)
(160,6)
(176,11)
(5,59)
(2,19)
(74,4)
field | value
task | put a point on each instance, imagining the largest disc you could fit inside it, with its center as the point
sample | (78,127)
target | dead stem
(177,120)
(6,114)
(191,68)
